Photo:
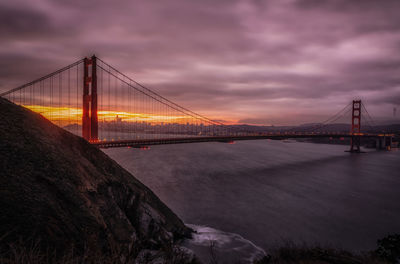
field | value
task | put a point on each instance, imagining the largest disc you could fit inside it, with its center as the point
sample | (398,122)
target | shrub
(389,248)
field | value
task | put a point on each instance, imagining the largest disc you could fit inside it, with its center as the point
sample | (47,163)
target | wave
(228,247)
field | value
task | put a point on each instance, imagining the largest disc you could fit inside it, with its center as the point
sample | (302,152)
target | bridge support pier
(89,110)
(384,143)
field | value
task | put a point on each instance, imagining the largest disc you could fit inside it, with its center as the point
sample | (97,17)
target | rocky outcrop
(56,187)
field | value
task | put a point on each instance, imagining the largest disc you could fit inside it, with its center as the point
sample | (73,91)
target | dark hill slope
(57,187)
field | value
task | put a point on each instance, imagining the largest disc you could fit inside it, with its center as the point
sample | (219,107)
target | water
(226,247)
(271,191)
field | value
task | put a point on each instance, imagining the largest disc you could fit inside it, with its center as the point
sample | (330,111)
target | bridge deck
(137,143)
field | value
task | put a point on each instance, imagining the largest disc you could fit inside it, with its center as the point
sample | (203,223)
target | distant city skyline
(283,62)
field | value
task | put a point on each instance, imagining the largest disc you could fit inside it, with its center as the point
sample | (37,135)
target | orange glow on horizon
(66,115)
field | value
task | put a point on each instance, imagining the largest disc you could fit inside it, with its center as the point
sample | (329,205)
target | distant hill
(317,127)
(56,187)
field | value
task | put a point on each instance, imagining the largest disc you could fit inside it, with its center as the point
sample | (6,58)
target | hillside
(58,189)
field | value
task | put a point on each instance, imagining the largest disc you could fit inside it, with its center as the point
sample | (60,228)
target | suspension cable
(42,78)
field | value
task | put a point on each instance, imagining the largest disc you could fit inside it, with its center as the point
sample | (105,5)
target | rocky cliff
(56,187)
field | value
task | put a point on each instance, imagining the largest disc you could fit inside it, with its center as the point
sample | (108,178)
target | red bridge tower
(89,114)
(355,126)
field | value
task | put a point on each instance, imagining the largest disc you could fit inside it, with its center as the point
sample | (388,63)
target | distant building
(118,119)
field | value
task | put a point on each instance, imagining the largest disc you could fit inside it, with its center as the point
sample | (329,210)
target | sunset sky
(259,62)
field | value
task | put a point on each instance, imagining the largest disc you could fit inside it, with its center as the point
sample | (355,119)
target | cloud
(235,60)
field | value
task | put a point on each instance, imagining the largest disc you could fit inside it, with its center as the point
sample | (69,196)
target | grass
(290,252)
(32,253)
(388,251)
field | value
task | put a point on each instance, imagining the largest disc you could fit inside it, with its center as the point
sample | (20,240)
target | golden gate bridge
(92,99)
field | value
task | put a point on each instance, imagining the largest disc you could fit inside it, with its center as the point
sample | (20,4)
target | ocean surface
(255,195)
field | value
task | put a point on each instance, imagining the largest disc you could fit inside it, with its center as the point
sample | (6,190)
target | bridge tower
(89,113)
(355,126)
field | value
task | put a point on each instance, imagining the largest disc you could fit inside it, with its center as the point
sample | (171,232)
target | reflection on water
(267,191)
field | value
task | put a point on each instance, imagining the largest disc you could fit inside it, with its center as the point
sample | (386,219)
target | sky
(278,62)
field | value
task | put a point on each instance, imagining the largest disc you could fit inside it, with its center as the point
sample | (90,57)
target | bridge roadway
(139,143)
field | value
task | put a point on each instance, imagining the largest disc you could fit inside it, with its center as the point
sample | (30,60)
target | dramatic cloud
(265,62)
